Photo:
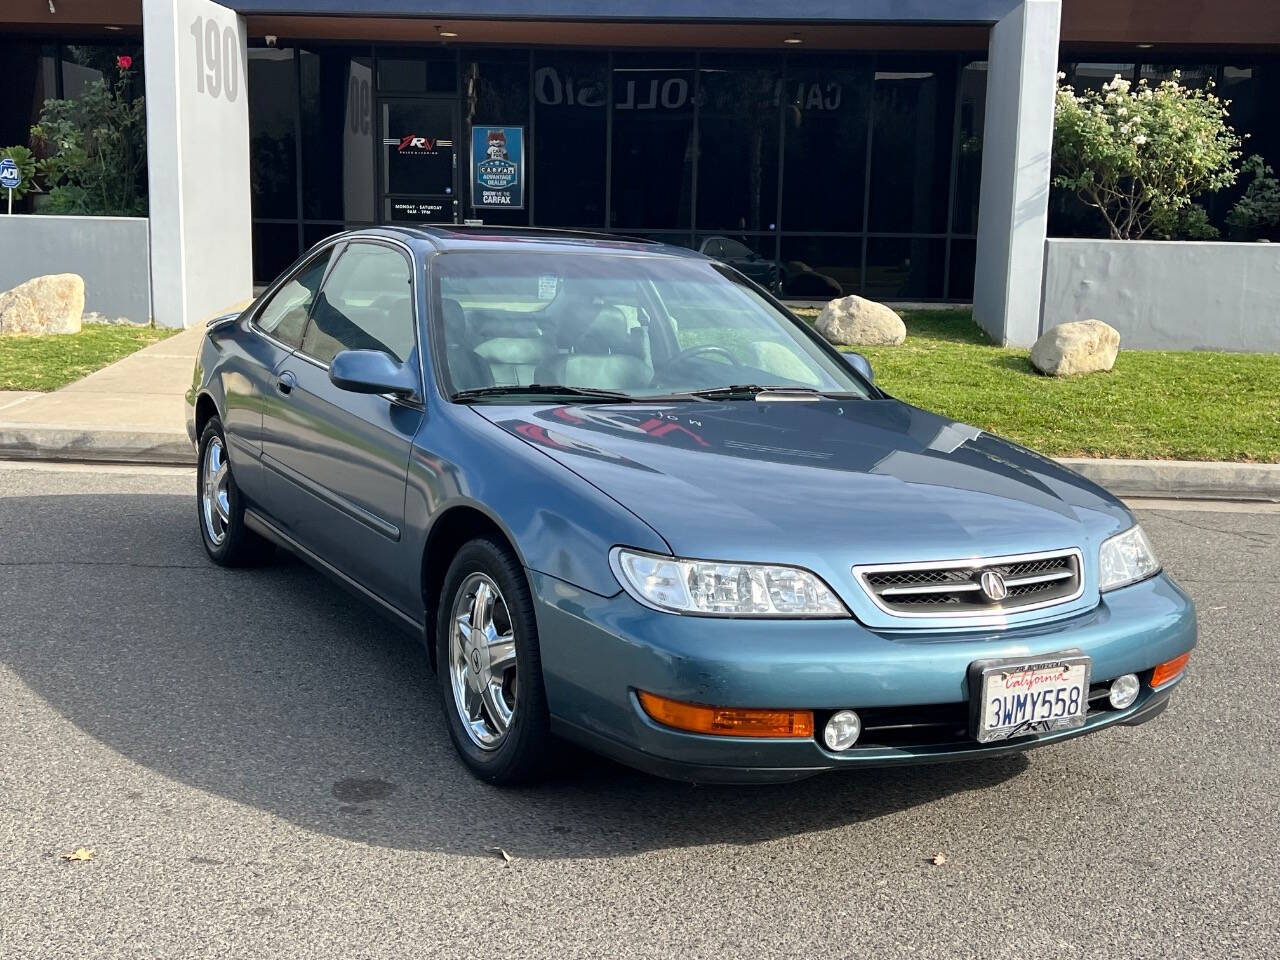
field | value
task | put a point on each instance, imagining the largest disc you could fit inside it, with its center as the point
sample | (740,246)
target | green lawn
(46,363)
(1153,405)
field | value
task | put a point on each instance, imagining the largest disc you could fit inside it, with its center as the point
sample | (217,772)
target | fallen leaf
(502,853)
(80,854)
(938,859)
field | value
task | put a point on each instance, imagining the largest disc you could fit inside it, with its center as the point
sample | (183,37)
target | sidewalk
(133,412)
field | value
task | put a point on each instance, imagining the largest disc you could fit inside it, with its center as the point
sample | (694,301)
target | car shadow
(276,689)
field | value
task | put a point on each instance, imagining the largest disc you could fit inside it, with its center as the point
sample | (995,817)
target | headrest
(606,333)
(455,320)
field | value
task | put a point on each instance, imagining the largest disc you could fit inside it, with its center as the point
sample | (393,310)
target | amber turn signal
(727,721)
(1169,670)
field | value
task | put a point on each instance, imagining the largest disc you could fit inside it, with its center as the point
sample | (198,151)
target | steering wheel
(705,349)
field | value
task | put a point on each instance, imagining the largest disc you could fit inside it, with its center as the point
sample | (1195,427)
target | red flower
(124,63)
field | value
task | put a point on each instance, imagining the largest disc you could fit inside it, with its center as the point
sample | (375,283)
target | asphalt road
(260,767)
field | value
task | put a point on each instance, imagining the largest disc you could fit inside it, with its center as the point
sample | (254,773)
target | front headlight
(1126,558)
(723,589)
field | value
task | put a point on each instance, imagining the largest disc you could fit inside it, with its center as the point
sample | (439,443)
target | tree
(96,162)
(1259,208)
(1139,155)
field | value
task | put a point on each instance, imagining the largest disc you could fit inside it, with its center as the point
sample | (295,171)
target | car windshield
(627,327)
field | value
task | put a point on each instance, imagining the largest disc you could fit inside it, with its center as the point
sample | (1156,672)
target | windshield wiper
(749,391)
(541,389)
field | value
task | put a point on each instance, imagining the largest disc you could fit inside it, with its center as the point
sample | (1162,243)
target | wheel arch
(456,526)
(206,410)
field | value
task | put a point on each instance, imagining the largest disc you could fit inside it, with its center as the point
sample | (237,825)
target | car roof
(449,237)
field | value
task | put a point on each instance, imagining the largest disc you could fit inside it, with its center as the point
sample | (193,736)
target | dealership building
(898,149)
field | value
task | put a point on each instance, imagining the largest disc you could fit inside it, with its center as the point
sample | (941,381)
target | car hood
(855,481)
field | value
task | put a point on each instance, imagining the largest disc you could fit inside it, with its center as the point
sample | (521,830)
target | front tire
(490,667)
(220,506)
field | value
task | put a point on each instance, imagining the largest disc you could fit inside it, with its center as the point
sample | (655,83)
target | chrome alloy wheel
(482,661)
(215,501)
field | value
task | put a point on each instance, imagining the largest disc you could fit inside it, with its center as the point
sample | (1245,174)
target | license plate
(1023,696)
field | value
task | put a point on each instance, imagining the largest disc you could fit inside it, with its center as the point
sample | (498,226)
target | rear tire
(490,666)
(220,505)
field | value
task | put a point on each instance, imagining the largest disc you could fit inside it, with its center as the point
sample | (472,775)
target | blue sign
(497,167)
(10,175)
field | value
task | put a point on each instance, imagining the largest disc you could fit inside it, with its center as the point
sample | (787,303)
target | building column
(197,159)
(1022,71)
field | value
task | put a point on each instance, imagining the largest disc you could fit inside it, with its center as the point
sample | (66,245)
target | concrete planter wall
(112,254)
(1168,295)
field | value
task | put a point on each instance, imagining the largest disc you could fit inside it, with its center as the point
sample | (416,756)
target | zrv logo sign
(416,144)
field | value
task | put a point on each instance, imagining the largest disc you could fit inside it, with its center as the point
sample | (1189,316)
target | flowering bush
(96,162)
(1140,154)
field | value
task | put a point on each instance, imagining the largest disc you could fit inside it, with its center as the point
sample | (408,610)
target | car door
(338,460)
(276,327)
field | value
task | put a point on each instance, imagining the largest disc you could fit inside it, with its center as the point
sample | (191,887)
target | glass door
(419,159)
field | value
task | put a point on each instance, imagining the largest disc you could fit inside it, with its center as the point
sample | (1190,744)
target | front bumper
(596,652)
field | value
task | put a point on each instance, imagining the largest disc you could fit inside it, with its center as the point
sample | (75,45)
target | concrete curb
(1175,479)
(21,441)
(1182,479)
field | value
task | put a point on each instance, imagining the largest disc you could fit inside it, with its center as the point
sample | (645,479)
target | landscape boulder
(50,304)
(854,321)
(1084,346)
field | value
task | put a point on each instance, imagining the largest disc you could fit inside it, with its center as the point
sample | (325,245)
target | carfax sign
(497,167)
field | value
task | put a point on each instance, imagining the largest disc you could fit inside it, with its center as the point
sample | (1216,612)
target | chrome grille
(955,588)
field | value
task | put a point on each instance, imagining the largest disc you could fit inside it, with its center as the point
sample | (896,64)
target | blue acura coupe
(627,499)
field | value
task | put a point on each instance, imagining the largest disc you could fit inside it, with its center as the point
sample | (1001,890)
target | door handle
(284,383)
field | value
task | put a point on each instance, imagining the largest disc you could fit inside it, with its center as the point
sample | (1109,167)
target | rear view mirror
(372,371)
(861,365)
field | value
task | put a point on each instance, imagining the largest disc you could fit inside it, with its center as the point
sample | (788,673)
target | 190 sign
(217,59)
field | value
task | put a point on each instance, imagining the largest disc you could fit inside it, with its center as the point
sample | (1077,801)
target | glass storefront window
(30,70)
(1091,76)
(821,268)
(911,144)
(739,99)
(825,120)
(904,268)
(1197,76)
(495,87)
(418,148)
(652,140)
(425,71)
(964,261)
(273,112)
(973,106)
(275,246)
(337,136)
(570,124)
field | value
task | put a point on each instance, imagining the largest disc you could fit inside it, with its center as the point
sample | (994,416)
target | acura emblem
(993,586)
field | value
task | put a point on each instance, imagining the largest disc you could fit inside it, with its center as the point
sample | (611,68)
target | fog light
(842,730)
(1124,690)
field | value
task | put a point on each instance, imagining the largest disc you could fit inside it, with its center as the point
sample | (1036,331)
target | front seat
(604,358)
(466,369)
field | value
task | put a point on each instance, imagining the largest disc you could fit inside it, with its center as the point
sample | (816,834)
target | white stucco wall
(109,253)
(197,159)
(1168,295)
(1017,144)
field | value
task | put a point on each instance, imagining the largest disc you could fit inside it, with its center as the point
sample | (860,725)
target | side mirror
(372,371)
(861,365)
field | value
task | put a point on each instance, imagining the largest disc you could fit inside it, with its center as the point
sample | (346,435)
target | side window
(285,315)
(366,304)
(713,248)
